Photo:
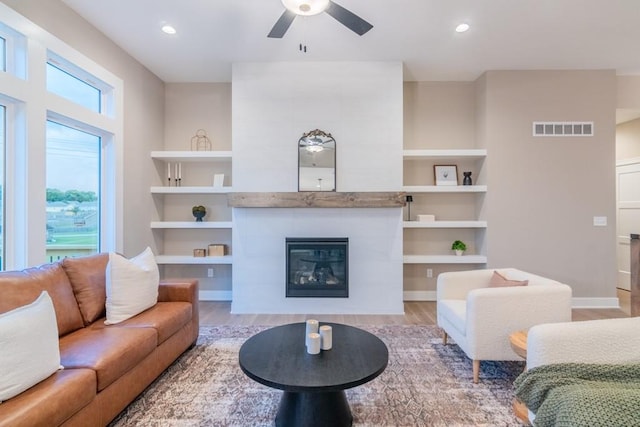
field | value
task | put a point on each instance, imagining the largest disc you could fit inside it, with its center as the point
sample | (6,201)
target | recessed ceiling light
(461,28)
(168,29)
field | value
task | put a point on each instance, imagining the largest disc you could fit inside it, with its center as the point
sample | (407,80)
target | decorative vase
(467,178)
(459,252)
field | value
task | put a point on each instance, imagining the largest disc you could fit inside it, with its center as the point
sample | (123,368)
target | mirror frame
(316,137)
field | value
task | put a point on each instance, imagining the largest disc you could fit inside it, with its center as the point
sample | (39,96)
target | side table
(518,341)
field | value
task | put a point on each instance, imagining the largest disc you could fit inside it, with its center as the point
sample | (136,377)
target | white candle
(169,170)
(313,346)
(176,171)
(326,337)
(312,326)
(180,170)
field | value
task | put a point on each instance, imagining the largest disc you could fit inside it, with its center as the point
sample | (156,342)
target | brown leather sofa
(105,367)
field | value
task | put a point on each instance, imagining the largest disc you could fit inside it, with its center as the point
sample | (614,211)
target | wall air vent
(562,128)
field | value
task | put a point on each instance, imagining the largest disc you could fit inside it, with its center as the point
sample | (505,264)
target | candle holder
(409,200)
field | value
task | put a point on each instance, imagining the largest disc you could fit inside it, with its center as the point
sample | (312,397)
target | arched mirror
(316,162)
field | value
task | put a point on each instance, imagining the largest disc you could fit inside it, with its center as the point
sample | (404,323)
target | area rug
(425,384)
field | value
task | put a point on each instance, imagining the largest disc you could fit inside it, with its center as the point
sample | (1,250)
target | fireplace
(317,267)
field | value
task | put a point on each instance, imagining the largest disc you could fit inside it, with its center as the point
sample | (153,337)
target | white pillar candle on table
(312,326)
(326,337)
(313,343)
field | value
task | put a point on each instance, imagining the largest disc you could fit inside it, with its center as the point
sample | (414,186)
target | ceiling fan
(315,7)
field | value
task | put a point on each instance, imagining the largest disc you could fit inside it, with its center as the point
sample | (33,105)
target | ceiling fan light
(306,7)
(461,28)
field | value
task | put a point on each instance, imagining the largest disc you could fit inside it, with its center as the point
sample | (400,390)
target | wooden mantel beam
(317,199)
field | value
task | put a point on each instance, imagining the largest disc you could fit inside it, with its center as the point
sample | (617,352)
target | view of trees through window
(73,192)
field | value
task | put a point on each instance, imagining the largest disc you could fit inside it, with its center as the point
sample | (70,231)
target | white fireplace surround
(361,105)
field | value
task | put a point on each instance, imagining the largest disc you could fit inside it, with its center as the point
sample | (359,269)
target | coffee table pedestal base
(314,409)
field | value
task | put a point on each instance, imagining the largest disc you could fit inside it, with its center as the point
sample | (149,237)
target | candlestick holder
(409,200)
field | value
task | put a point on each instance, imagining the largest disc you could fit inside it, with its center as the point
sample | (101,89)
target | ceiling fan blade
(282,25)
(348,18)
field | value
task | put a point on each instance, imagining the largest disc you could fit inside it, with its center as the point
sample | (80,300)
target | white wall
(360,104)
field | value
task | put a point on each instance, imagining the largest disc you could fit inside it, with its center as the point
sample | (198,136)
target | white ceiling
(504,34)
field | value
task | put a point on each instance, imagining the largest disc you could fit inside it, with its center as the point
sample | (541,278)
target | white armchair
(480,318)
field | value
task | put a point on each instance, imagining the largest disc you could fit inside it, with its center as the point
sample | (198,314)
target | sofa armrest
(457,284)
(592,341)
(178,290)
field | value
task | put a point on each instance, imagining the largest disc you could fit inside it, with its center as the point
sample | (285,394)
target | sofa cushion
(87,277)
(20,288)
(455,311)
(166,318)
(108,350)
(132,285)
(52,401)
(29,343)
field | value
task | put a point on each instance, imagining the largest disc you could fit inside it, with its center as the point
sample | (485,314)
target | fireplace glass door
(317,267)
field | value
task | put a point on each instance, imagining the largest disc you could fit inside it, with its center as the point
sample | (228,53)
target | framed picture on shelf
(446,174)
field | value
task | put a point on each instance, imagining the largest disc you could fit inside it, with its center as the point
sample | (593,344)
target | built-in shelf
(191,224)
(445,259)
(444,224)
(444,154)
(445,188)
(190,190)
(186,259)
(192,156)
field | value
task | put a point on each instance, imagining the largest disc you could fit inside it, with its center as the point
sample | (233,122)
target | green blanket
(573,394)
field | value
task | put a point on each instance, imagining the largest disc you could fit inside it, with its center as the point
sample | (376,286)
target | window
(73,192)
(3,54)
(74,89)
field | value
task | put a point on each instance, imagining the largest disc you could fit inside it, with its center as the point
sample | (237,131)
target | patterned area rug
(425,384)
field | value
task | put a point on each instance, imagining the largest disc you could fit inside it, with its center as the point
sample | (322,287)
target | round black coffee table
(313,384)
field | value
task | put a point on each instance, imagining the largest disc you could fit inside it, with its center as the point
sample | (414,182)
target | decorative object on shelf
(216,250)
(459,247)
(446,174)
(409,200)
(199,212)
(200,141)
(218,180)
(199,253)
(426,217)
(467,178)
(177,176)
(316,161)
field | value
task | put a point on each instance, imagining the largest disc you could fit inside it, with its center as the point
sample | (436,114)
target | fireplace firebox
(317,267)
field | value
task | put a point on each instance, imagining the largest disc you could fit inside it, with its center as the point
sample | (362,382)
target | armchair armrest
(593,341)
(457,284)
(178,290)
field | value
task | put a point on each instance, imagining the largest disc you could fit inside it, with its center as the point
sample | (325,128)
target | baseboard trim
(595,303)
(215,295)
(419,295)
(575,302)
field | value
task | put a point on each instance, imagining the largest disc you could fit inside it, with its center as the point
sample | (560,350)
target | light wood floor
(215,313)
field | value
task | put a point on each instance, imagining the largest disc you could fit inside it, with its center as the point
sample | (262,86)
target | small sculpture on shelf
(199,212)
(200,141)
(467,178)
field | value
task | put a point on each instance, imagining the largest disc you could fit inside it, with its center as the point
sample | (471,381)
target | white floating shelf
(444,224)
(444,154)
(190,190)
(191,224)
(445,259)
(445,188)
(185,259)
(192,156)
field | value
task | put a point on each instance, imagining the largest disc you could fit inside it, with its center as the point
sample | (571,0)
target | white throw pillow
(131,285)
(29,350)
